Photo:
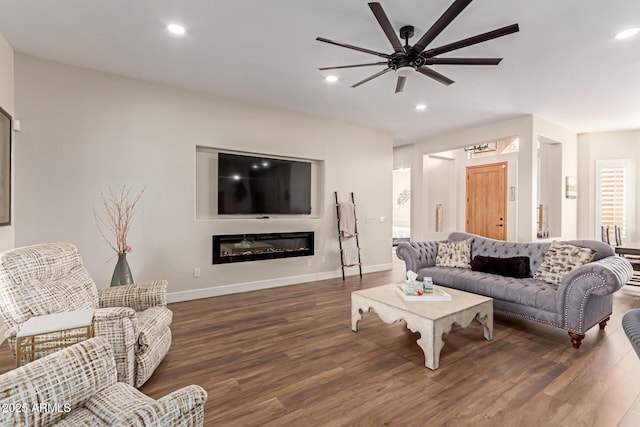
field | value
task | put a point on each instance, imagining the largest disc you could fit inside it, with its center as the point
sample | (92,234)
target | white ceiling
(563,65)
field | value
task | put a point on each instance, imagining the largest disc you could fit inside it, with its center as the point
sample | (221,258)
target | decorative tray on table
(436,295)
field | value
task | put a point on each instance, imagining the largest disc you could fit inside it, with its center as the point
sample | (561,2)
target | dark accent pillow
(517,266)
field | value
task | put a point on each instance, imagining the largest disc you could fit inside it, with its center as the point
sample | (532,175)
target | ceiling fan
(405,60)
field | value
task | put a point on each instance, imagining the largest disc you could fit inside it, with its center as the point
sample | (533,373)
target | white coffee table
(431,319)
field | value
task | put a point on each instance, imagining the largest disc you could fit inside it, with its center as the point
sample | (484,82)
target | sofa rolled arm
(599,278)
(417,255)
(138,296)
(602,277)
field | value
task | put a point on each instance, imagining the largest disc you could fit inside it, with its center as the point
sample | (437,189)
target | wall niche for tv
(235,185)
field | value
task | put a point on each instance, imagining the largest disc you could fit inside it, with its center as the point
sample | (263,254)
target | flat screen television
(263,185)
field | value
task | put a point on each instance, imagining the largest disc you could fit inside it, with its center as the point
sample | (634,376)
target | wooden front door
(487,200)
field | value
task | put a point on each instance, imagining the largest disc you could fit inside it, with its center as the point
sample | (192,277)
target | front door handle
(499,225)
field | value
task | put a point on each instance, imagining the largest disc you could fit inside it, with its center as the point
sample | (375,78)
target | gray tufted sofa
(582,300)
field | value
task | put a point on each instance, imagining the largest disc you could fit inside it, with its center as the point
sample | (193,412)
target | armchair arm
(138,296)
(598,278)
(67,378)
(417,255)
(183,407)
(119,325)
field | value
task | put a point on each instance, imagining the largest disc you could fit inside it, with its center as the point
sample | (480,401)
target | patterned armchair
(77,386)
(50,278)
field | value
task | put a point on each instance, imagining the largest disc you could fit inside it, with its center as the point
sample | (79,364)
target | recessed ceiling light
(627,33)
(331,79)
(176,29)
(421,107)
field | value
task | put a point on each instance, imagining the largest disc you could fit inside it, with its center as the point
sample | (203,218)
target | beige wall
(7,232)
(605,146)
(404,156)
(436,171)
(84,130)
(401,183)
(569,207)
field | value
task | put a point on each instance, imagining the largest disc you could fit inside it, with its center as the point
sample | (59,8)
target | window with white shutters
(612,196)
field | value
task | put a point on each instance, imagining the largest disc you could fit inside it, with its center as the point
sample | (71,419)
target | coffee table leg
(357,310)
(486,320)
(431,352)
(356,316)
(430,341)
(431,333)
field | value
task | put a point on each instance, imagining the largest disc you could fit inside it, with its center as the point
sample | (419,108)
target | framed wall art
(5,167)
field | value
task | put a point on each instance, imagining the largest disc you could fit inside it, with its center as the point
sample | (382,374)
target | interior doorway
(401,205)
(486,196)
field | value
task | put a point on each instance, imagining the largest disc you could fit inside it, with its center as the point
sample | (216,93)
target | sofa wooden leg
(576,339)
(604,323)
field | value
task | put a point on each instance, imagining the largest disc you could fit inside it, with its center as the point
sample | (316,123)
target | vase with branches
(118,207)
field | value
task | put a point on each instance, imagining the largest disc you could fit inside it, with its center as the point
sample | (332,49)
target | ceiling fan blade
(348,46)
(400,84)
(500,32)
(386,70)
(384,22)
(352,66)
(462,61)
(442,22)
(434,75)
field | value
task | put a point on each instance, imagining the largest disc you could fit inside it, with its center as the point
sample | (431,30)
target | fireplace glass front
(229,248)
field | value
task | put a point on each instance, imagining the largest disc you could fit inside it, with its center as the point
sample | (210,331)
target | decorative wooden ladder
(359,264)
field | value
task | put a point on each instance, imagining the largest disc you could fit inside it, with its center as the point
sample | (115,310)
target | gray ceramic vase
(122,272)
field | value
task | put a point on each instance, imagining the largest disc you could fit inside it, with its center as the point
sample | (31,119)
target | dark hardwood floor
(287,357)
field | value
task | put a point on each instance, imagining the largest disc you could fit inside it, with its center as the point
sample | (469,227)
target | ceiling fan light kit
(406,59)
(405,71)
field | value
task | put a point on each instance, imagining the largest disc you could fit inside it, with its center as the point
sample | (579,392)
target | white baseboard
(235,288)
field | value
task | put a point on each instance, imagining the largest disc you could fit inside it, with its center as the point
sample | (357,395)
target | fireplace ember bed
(229,248)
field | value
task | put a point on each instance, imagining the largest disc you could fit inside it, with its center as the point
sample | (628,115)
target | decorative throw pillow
(560,259)
(454,254)
(517,266)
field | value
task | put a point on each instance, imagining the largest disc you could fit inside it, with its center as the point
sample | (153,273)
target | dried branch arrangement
(118,207)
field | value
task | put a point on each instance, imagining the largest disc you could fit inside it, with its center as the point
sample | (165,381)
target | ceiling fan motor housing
(403,60)
(405,64)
